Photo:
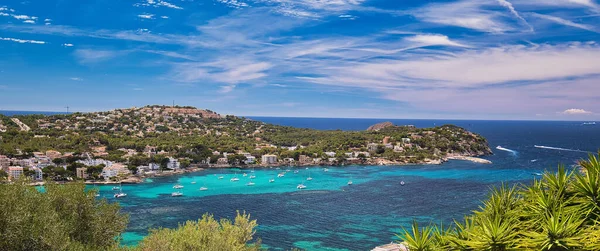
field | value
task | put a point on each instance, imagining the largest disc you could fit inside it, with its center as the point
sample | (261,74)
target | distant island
(128,144)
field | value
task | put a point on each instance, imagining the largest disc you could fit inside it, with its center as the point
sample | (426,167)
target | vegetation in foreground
(67,217)
(561,211)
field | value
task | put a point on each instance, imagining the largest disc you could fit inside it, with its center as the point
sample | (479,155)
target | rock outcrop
(377,127)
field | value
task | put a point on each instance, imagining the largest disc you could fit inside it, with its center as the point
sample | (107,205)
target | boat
(234,179)
(301,186)
(271,180)
(349,182)
(176,194)
(194,181)
(252,170)
(326,170)
(245,174)
(221,177)
(252,176)
(280,175)
(116,188)
(287,170)
(309,178)
(589,123)
(119,195)
(178,186)
(402,183)
(203,188)
(296,171)
(250,183)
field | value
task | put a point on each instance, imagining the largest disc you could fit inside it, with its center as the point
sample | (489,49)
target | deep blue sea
(331,215)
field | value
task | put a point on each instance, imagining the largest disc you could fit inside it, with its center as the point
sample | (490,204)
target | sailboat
(252,176)
(309,178)
(250,183)
(349,182)
(271,180)
(326,170)
(280,175)
(176,194)
(194,181)
(221,177)
(245,174)
(98,190)
(301,186)
(203,188)
(178,186)
(296,171)
(121,193)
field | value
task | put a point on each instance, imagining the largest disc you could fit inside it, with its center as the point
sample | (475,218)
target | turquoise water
(329,214)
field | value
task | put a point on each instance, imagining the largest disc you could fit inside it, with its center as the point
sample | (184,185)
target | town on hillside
(126,145)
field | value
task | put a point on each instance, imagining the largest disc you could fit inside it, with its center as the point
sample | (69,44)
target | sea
(329,214)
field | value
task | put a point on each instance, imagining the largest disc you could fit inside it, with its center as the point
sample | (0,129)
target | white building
(330,154)
(269,159)
(15,172)
(250,160)
(39,175)
(173,164)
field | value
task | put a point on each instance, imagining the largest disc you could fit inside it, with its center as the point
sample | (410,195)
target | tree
(205,234)
(64,217)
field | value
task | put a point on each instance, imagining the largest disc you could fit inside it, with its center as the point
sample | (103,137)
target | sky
(466,59)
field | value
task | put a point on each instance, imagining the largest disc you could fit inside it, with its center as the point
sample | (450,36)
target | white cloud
(47,20)
(138,89)
(22,41)
(29,22)
(22,17)
(233,3)
(164,17)
(4,14)
(76,79)
(279,85)
(576,112)
(146,16)
(158,3)
(466,14)
(348,17)
(565,22)
(433,39)
(67,45)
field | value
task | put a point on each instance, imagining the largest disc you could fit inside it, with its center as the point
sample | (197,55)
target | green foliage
(419,239)
(558,212)
(205,234)
(64,217)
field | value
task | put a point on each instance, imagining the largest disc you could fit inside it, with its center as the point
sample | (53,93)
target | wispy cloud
(29,21)
(233,3)
(67,45)
(85,56)
(76,79)
(22,41)
(512,10)
(562,21)
(226,88)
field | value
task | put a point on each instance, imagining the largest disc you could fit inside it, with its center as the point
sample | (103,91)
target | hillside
(199,135)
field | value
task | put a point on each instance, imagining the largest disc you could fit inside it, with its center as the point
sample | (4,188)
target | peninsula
(155,140)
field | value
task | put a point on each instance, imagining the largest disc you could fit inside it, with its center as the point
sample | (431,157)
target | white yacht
(234,179)
(309,178)
(221,177)
(252,176)
(245,174)
(120,194)
(271,180)
(203,188)
(301,186)
(349,182)
(280,175)
(178,186)
(250,183)
(402,183)
(176,194)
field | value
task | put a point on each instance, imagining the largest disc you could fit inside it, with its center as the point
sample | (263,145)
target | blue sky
(468,59)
